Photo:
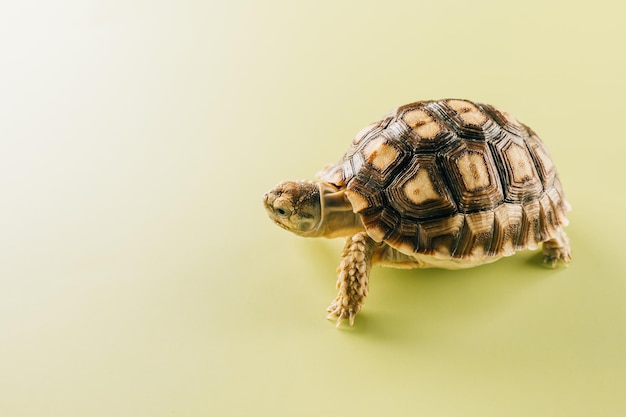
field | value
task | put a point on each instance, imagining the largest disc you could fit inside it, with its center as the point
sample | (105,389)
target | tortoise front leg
(353,277)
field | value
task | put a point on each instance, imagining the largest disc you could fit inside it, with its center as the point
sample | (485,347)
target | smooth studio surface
(140,275)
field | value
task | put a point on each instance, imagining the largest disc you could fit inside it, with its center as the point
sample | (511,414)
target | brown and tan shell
(452,178)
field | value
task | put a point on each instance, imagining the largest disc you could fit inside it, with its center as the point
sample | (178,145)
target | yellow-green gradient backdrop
(140,276)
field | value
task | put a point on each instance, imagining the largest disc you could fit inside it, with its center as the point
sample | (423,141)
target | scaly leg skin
(557,249)
(353,276)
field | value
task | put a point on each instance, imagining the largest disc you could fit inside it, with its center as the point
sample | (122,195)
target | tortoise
(442,183)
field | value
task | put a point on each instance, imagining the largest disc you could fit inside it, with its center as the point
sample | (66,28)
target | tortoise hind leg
(353,277)
(557,249)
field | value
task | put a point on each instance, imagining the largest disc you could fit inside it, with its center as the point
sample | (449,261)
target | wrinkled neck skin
(338,219)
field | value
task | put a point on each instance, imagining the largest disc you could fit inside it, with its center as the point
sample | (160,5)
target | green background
(140,275)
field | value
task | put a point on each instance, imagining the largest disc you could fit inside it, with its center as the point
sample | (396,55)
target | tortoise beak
(268,202)
(268,198)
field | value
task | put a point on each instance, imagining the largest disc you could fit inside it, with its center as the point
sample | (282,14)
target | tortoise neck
(338,219)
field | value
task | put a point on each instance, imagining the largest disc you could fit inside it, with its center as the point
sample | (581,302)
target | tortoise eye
(282,207)
(283,212)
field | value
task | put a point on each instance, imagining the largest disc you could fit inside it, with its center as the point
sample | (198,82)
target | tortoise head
(295,206)
(312,209)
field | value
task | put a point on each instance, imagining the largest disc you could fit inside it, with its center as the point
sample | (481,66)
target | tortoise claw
(341,313)
(352,316)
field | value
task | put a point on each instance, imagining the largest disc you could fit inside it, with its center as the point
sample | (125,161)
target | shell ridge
(460,235)
(438,109)
(538,168)
(501,171)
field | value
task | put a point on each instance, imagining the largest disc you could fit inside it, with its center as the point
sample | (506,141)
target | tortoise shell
(452,178)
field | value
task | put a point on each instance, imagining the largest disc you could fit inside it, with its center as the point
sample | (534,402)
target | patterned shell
(452,178)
